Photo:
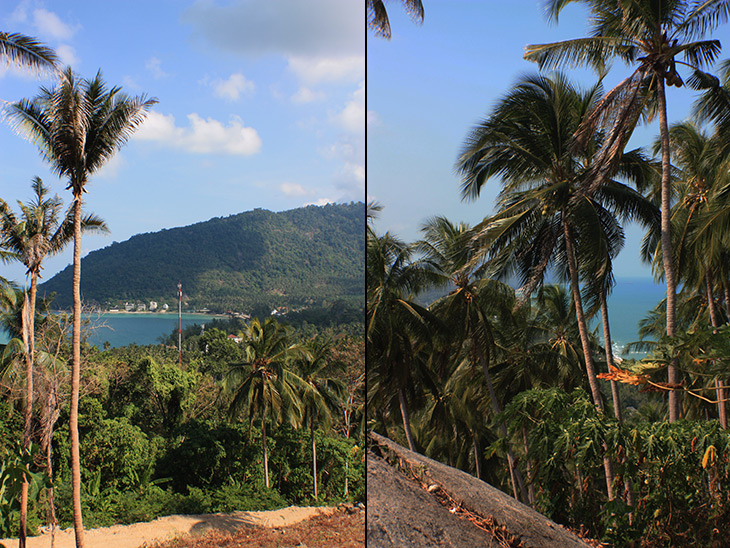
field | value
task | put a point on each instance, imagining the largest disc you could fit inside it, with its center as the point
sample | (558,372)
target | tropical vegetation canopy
(482,341)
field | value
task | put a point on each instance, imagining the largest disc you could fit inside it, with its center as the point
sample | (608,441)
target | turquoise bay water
(630,301)
(142,329)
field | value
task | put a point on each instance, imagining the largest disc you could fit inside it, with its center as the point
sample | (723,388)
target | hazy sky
(430,84)
(261,104)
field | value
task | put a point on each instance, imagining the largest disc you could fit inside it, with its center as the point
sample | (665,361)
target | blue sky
(430,84)
(261,105)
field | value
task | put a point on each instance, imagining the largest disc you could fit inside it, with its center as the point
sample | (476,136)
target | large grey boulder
(415,501)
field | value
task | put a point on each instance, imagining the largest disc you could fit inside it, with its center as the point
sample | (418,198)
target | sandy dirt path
(137,534)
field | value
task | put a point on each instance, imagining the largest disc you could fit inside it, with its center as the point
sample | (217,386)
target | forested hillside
(247,262)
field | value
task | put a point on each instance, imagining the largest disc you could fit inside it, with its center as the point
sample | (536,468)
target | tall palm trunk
(617,410)
(50,416)
(406,419)
(666,242)
(583,329)
(28,329)
(580,317)
(715,319)
(518,481)
(608,343)
(266,451)
(314,456)
(76,380)
(477,456)
(530,486)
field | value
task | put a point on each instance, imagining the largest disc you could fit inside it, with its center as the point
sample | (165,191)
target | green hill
(248,262)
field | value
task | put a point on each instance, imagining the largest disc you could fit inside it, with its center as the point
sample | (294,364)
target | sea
(630,301)
(144,328)
(628,304)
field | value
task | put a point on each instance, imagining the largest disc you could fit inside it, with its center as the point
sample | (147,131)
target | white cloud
(314,70)
(20,13)
(293,189)
(372,118)
(49,24)
(154,65)
(203,136)
(306,95)
(111,168)
(130,83)
(354,173)
(322,40)
(319,28)
(67,55)
(321,202)
(352,116)
(232,88)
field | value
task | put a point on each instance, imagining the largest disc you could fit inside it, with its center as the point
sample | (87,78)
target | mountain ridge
(247,262)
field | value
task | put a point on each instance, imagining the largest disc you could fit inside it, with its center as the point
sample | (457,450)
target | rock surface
(415,501)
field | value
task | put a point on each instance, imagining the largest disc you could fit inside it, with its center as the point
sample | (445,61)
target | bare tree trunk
(530,486)
(666,242)
(406,419)
(583,329)
(49,418)
(477,456)
(314,456)
(76,381)
(518,481)
(28,334)
(266,451)
(608,343)
(715,319)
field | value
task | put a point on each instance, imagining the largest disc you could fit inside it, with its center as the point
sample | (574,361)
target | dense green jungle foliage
(159,439)
(251,263)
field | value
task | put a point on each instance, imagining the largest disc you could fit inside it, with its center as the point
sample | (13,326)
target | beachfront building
(153,306)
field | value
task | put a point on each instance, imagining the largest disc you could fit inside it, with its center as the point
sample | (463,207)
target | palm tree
(546,216)
(38,233)
(397,327)
(469,308)
(549,214)
(25,51)
(651,35)
(263,385)
(322,394)
(78,126)
(378,16)
(699,256)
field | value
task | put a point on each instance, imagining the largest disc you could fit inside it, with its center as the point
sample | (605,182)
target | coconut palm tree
(78,126)
(549,213)
(547,216)
(397,328)
(322,393)
(37,233)
(700,256)
(468,309)
(651,36)
(263,385)
(378,16)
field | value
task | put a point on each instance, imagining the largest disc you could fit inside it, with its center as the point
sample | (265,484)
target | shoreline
(145,313)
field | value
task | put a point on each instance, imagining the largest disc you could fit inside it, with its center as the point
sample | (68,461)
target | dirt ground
(176,527)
